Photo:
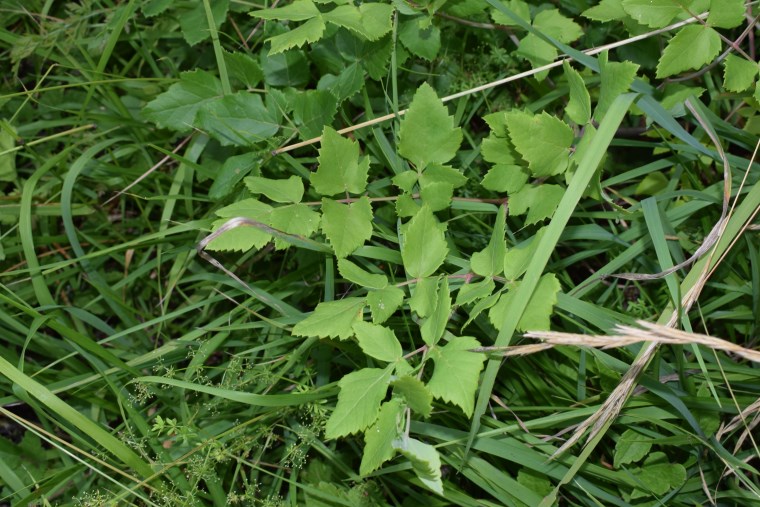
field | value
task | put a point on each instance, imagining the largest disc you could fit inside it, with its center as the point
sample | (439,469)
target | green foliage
(691,48)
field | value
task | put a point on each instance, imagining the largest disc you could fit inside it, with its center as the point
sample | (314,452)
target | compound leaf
(239,119)
(340,168)
(417,395)
(579,105)
(490,260)
(384,302)
(426,462)
(726,13)
(539,310)
(279,190)
(691,48)
(332,319)
(653,13)
(456,373)
(357,275)
(424,246)
(379,438)
(543,141)
(378,341)
(433,328)
(739,74)
(347,226)
(361,393)
(177,107)
(297,219)
(242,238)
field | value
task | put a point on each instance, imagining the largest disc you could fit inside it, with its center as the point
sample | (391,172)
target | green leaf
(297,219)
(298,10)
(243,68)
(617,78)
(437,173)
(427,134)
(474,291)
(656,476)
(313,110)
(456,373)
(739,74)
(490,260)
(357,275)
(691,48)
(194,22)
(378,341)
(340,168)
(332,319)
(311,31)
(239,119)
(631,447)
(437,196)
(153,8)
(377,19)
(506,178)
(242,238)
(289,190)
(726,13)
(607,10)
(425,297)
(422,42)
(346,84)
(384,302)
(361,393)
(426,462)
(539,201)
(406,180)
(543,141)
(285,69)
(518,257)
(579,105)
(7,160)
(540,307)
(653,13)
(417,395)
(519,7)
(553,23)
(177,107)
(433,328)
(347,226)
(379,438)
(538,52)
(424,248)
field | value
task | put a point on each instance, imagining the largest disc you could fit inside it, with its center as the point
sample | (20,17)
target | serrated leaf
(243,68)
(726,13)
(490,260)
(406,206)
(378,341)
(296,219)
(310,32)
(617,78)
(379,438)
(543,141)
(539,310)
(482,305)
(607,10)
(433,328)
(285,69)
(347,226)
(239,119)
(631,447)
(425,297)
(437,173)
(437,196)
(426,462)
(357,275)
(417,395)
(471,292)
(539,201)
(177,107)
(332,319)
(427,134)
(691,48)
(424,248)
(298,10)
(506,178)
(346,84)
(579,105)
(519,7)
(653,13)
(313,110)
(739,74)
(422,42)
(242,238)
(279,190)
(153,8)
(538,52)
(376,19)
(553,23)
(406,180)
(519,256)
(384,302)
(456,373)
(340,168)
(657,476)
(194,23)
(361,393)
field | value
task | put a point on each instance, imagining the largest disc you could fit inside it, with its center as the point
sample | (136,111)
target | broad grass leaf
(377,341)
(278,190)
(379,438)
(359,276)
(456,373)
(417,395)
(177,107)
(424,248)
(739,73)
(361,393)
(340,168)
(579,104)
(490,260)
(433,328)
(332,319)
(239,119)
(384,302)
(427,134)
(542,140)
(426,462)
(691,48)
(347,226)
